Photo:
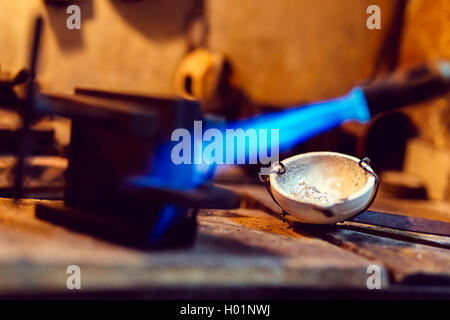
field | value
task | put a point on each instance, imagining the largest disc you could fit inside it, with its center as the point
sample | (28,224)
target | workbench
(240,253)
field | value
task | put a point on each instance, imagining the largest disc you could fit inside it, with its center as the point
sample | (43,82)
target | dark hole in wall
(188,85)
(386,139)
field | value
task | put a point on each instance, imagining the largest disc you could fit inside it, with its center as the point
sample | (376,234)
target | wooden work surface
(247,252)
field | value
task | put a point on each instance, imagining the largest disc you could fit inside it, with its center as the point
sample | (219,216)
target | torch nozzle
(408,87)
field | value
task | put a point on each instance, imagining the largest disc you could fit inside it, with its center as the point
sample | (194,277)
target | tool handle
(408,87)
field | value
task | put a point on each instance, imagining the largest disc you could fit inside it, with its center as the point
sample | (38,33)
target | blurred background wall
(128,45)
(290,51)
(281,52)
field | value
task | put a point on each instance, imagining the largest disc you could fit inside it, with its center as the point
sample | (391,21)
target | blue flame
(294,126)
(166,216)
(298,124)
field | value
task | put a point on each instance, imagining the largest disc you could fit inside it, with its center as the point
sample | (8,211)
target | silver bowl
(351,182)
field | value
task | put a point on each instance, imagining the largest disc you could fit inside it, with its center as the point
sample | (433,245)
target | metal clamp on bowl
(279,169)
